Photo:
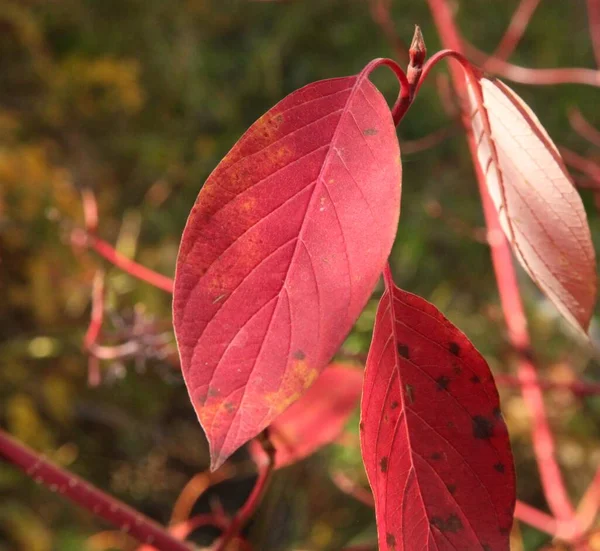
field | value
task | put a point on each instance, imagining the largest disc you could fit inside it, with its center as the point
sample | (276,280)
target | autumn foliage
(288,240)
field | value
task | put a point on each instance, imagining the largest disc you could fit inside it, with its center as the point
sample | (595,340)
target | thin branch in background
(578,388)
(93,331)
(589,506)
(447,96)
(380,12)
(102,505)
(90,210)
(256,495)
(536,77)
(515,30)
(593,9)
(512,306)
(350,487)
(583,127)
(88,238)
(409,147)
(193,489)
(130,266)
(582,164)
(532,516)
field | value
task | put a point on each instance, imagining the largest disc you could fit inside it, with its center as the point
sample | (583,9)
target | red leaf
(281,252)
(434,444)
(315,420)
(540,211)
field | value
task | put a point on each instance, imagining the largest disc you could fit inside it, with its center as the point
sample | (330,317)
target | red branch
(586,166)
(255,497)
(579,388)
(593,9)
(543,441)
(138,271)
(515,30)
(76,489)
(93,331)
(527,75)
(380,12)
(583,127)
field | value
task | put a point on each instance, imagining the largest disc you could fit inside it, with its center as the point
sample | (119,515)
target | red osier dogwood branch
(281,251)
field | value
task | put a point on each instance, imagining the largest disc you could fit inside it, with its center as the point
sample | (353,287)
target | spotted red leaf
(434,444)
(317,418)
(539,208)
(281,252)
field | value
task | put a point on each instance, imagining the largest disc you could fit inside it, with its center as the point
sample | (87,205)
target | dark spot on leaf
(386,417)
(299,355)
(451,524)
(451,488)
(361,426)
(454,348)
(504,531)
(390,540)
(403,351)
(383,463)
(483,428)
(201,398)
(394,404)
(436,456)
(499,467)
(229,406)
(497,413)
(442,382)
(212,392)
(486,547)
(475,379)
(370,131)
(410,394)
(457,369)
(450,425)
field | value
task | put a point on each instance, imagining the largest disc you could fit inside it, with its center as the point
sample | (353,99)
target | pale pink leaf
(540,211)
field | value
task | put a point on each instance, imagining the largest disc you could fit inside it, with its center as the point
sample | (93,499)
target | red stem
(543,441)
(579,388)
(538,77)
(380,12)
(131,267)
(583,127)
(516,29)
(593,9)
(537,519)
(586,166)
(255,497)
(84,494)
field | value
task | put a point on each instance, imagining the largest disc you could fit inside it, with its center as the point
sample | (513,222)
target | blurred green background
(138,101)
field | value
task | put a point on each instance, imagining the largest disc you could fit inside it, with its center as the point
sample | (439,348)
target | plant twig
(527,75)
(579,388)
(593,9)
(583,165)
(256,495)
(134,269)
(380,12)
(512,306)
(515,30)
(583,127)
(93,330)
(126,519)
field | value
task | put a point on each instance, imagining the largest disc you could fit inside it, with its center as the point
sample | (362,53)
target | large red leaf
(280,253)
(539,209)
(434,444)
(317,418)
